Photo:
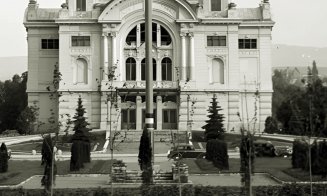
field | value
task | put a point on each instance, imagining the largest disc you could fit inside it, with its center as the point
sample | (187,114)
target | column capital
(183,34)
(105,34)
(113,33)
(191,34)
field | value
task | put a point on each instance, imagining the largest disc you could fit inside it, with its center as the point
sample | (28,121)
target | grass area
(19,171)
(234,140)
(304,175)
(274,166)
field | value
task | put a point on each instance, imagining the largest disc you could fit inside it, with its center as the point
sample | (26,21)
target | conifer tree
(4,157)
(47,159)
(144,157)
(80,150)
(214,129)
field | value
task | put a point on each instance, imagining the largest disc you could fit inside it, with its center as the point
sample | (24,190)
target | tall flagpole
(149,118)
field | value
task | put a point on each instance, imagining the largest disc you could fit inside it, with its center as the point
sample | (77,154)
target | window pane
(247,44)
(50,44)
(154,70)
(44,44)
(133,73)
(143,69)
(132,116)
(124,116)
(86,41)
(215,5)
(253,43)
(80,5)
(56,44)
(222,40)
(172,116)
(165,116)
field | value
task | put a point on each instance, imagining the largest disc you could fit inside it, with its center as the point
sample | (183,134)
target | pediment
(117,10)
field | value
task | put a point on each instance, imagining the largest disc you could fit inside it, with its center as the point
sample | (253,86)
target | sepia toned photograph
(163,98)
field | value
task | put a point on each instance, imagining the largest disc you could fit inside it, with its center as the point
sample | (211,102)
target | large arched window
(166,69)
(165,37)
(154,70)
(80,75)
(130,69)
(218,71)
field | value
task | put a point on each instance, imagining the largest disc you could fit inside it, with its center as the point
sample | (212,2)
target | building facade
(201,49)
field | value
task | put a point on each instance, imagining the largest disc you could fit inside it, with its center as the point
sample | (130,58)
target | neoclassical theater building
(201,49)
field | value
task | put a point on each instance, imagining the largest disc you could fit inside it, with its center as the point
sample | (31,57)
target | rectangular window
(128,120)
(247,43)
(80,5)
(81,41)
(215,5)
(216,40)
(50,43)
(169,119)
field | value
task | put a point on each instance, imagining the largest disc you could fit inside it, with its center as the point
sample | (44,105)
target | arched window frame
(130,65)
(217,73)
(166,69)
(154,72)
(80,71)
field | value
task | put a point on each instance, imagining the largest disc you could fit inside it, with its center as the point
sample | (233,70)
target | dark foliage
(13,100)
(81,147)
(47,160)
(300,157)
(214,129)
(295,105)
(271,125)
(144,157)
(4,157)
(216,151)
(247,154)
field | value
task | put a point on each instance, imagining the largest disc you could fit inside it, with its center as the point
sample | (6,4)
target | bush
(216,151)
(4,157)
(270,125)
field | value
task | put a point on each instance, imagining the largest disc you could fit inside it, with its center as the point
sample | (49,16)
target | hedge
(172,190)
(216,151)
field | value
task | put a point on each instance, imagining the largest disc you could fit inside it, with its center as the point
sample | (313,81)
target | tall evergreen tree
(50,169)
(214,129)
(144,157)
(80,150)
(4,157)
(247,160)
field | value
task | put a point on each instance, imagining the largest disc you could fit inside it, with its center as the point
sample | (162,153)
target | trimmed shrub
(270,125)
(4,157)
(216,151)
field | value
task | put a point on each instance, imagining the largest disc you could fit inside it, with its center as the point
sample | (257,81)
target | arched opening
(166,69)
(132,37)
(131,69)
(154,69)
(218,71)
(80,71)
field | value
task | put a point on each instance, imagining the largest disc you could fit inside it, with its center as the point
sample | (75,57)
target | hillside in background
(283,56)
(12,65)
(298,56)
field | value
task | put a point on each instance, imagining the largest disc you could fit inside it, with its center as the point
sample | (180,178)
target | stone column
(138,35)
(191,67)
(105,56)
(113,48)
(183,63)
(158,36)
(159,113)
(138,113)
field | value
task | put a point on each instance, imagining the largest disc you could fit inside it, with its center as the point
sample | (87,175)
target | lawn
(18,171)
(274,166)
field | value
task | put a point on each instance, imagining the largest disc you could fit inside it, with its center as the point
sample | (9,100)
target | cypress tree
(4,157)
(144,157)
(214,129)
(47,159)
(80,150)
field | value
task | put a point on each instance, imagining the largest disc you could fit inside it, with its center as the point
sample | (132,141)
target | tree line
(299,106)
(14,113)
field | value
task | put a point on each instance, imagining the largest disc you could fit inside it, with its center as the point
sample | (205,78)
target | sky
(298,22)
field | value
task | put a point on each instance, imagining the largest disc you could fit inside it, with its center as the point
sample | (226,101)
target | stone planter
(180,169)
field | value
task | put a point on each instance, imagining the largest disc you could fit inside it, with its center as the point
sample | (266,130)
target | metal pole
(149,118)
